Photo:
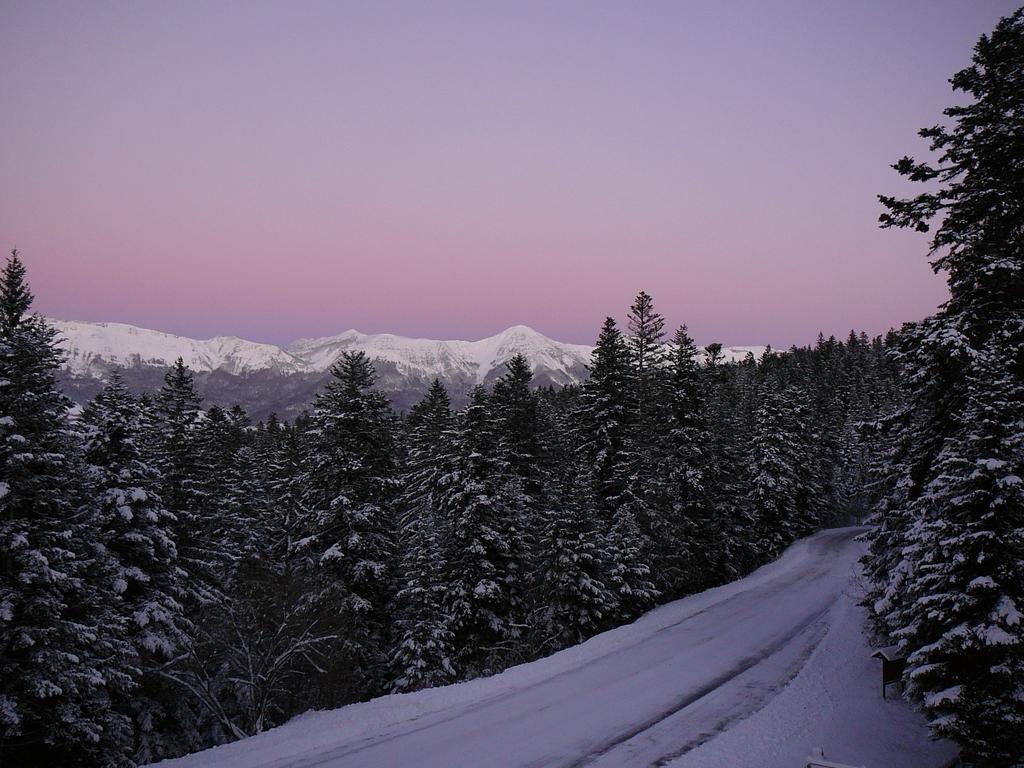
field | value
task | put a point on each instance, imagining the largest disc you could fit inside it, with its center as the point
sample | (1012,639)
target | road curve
(647,701)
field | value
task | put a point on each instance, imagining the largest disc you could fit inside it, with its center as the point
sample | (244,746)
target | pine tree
(606,423)
(481,510)
(689,537)
(574,602)
(773,461)
(522,454)
(424,654)
(628,572)
(258,633)
(62,661)
(351,484)
(948,486)
(645,445)
(811,464)
(646,344)
(605,418)
(518,430)
(906,447)
(850,480)
(961,619)
(271,637)
(225,478)
(726,474)
(174,447)
(138,532)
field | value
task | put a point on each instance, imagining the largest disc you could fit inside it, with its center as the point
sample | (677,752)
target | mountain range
(267,378)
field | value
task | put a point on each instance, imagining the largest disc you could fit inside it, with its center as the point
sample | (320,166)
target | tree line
(175,577)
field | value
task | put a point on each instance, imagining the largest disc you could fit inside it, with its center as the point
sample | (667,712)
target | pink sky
(276,170)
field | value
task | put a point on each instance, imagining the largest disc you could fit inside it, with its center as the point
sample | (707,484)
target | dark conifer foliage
(686,534)
(604,416)
(514,405)
(571,558)
(424,642)
(64,657)
(482,509)
(947,550)
(138,532)
(350,485)
(647,353)
(176,452)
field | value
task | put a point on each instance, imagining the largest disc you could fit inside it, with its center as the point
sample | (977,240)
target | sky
(448,169)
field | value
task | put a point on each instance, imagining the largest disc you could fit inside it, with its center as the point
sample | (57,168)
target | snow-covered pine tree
(871,444)
(424,653)
(521,451)
(573,602)
(687,537)
(63,663)
(194,452)
(850,474)
(515,409)
(282,523)
(725,476)
(175,452)
(772,458)
(481,509)
(628,573)
(824,378)
(167,425)
(138,532)
(811,464)
(961,618)
(647,357)
(907,446)
(868,385)
(647,493)
(258,635)
(604,416)
(351,480)
(606,438)
(272,636)
(227,480)
(843,391)
(283,529)
(956,445)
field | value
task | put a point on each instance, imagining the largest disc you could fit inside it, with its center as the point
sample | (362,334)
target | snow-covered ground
(753,673)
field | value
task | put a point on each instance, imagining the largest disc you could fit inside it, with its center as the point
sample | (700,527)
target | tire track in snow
(430,720)
(623,687)
(695,696)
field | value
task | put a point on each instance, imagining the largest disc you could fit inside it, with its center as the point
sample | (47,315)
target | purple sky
(275,170)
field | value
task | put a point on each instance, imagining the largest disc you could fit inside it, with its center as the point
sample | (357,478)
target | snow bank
(834,702)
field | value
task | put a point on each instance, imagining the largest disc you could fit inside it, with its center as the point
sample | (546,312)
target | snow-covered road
(641,695)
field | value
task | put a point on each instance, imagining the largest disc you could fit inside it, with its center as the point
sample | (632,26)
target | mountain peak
(515,331)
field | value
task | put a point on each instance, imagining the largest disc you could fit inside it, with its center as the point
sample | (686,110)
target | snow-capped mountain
(476,361)
(93,348)
(266,378)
